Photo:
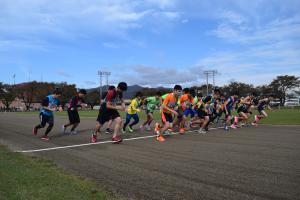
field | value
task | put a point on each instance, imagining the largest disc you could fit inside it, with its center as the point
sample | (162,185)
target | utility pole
(29,74)
(14,77)
(208,73)
(101,74)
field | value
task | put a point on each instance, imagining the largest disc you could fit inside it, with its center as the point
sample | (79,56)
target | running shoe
(74,132)
(108,131)
(254,124)
(182,131)
(130,129)
(45,137)
(157,128)
(233,126)
(160,138)
(94,138)
(116,139)
(201,131)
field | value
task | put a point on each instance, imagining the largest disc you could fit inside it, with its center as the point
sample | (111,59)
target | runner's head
(57,93)
(139,95)
(192,92)
(222,96)
(122,87)
(217,93)
(82,93)
(253,95)
(186,91)
(158,94)
(177,90)
(199,95)
(235,94)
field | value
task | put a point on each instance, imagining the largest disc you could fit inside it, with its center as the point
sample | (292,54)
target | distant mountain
(131,90)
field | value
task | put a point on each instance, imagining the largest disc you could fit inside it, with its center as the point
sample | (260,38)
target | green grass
(31,178)
(286,116)
(282,117)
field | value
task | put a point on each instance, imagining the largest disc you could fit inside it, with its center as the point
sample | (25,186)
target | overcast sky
(150,42)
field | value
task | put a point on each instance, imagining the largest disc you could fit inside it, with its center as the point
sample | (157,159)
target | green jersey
(196,100)
(152,102)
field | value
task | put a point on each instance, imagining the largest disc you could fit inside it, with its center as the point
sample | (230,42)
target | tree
(93,99)
(32,92)
(68,91)
(282,84)
(7,95)
(27,92)
(264,90)
(243,88)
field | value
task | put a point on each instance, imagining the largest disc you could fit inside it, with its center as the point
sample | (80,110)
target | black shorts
(46,119)
(167,117)
(107,114)
(201,114)
(242,109)
(73,116)
(260,109)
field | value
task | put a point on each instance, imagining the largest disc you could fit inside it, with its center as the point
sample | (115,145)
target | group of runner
(182,109)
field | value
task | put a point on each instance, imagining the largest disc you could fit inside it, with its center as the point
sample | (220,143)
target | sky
(149,42)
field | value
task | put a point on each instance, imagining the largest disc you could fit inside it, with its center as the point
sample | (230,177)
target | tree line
(35,92)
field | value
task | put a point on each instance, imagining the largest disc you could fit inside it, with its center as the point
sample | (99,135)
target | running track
(248,163)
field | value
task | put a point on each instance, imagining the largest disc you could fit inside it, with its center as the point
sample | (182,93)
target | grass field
(23,177)
(276,117)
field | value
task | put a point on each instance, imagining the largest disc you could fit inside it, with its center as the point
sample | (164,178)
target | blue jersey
(230,103)
(50,102)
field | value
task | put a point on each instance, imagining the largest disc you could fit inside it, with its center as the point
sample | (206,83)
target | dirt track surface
(248,163)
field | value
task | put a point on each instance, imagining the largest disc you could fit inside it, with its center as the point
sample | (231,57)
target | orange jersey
(186,102)
(170,101)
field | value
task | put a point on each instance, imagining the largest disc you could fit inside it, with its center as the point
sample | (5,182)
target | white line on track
(103,142)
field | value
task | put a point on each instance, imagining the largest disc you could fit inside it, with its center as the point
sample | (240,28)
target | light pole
(101,74)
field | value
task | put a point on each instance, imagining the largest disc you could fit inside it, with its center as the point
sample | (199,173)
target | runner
(228,107)
(151,104)
(262,105)
(50,104)
(75,103)
(132,112)
(186,105)
(169,107)
(243,109)
(109,110)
